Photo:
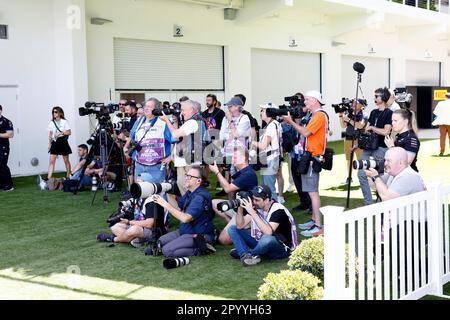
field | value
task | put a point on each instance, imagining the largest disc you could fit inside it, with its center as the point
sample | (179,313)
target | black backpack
(289,139)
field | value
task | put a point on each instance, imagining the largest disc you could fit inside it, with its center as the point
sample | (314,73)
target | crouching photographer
(195,234)
(273,233)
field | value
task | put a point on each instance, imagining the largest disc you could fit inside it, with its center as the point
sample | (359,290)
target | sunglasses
(122,104)
(55,111)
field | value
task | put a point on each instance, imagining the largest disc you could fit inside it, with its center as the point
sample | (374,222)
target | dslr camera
(146,189)
(344,106)
(403,98)
(134,146)
(294,108)
(233,204)
(174,109)
(366,164)
(99,109)
(125,211)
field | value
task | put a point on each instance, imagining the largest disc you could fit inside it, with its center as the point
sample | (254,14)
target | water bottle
(94,183)
(163,167)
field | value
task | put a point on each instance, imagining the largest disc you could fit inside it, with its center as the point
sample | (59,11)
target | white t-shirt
(63,126)
(442,112)
(272,130)
(189,127)
(243,128)
(395,106)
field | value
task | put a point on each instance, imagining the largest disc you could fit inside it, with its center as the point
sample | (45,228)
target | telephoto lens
(228,205)
(175,262)
(365,164)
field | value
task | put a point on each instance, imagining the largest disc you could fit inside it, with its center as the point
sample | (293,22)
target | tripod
(359,70)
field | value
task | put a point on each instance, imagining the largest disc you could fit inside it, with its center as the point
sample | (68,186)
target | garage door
(422,73)
(142,65)
(376,75)
(277,74)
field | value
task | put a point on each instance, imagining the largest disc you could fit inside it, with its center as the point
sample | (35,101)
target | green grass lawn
(48,236)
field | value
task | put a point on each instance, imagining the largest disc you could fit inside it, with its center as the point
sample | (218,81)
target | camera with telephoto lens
(233,204)
(134,146)
(344,106)
(367,164)
(125,211)
(175,262)
(294,108)
(99,109)
(175,110)
(146,189)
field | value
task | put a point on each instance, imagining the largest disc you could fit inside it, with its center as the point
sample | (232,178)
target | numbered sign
(177,31)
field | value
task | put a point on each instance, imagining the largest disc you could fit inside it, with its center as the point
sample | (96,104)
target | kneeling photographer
(196,231)
(400,179)
(372,140)
(273,233)
(245,179)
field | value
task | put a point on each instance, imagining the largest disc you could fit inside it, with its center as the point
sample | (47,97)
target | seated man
(138,230)
(273,233)
(195,216)
(400,179)
(244,179)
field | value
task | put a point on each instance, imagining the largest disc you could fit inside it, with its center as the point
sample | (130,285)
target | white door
(10,104)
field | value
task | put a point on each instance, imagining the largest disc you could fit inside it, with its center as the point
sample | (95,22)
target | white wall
(45,60)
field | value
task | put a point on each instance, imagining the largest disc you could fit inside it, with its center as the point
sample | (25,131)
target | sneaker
(138,242)
(308,225)
(105,237)
(281,200)
(441,154)
(345,182)
(318,233)
(234,254)
(309,233)
(42,184)
(7,189)
(210,248)
(249,260)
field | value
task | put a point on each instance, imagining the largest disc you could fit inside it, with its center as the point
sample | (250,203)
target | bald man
(399,178)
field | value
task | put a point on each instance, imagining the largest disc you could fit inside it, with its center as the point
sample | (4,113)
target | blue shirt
(245,179)
(193,204)
(167,135)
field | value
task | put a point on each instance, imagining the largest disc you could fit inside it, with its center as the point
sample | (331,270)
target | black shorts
(60,147)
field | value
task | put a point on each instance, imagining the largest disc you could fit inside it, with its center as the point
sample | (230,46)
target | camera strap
(148,129)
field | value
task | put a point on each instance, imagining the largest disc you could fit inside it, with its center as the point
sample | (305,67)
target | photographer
(270,148)
(352,121)
(273,232)
(406,138)
(379,126)
(132,231)
(152,144)
(315,133)
(245,179)
(189,148)
(195,214)
(400,179)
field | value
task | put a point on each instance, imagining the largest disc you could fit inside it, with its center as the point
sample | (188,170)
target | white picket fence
(398,249)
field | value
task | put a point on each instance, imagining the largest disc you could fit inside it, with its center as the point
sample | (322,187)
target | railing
(398,249)
(433,5)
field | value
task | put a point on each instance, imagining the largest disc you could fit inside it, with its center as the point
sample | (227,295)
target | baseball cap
(269,105)
(262,191)
(316,95)
(235,101)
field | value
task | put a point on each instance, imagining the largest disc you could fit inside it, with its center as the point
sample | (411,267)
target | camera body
(234,204)
(404,99)
(125,211)
(134,146)
(367,164)
(344,106)
(99,109)
(174,109)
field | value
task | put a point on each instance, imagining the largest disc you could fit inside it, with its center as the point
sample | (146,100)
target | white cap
(269,105)
(316,95)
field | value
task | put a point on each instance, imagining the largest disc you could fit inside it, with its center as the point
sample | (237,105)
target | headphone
(386,95)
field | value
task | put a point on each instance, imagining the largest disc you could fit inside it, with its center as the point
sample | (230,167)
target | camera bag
(368,141)
(304,163)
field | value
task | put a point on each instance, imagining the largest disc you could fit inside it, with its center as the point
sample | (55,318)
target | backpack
(289,139)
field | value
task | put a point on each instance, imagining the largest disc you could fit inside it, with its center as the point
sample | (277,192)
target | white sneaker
(308,225)
(309,233)
(42,185)
(281,200)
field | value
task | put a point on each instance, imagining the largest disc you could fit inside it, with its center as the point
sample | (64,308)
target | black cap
(262,191)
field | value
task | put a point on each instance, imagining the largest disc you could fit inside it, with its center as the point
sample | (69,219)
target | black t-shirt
(410,142)
(215,118)
(283,232)
(379,119)
(5,125)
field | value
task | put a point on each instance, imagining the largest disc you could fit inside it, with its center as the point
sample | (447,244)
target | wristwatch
(375,178)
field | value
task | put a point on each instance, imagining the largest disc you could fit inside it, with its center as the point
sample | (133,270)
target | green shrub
(290,285)
(309,257)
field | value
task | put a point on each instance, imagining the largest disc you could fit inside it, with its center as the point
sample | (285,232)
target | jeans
(152,174)
(270,180)
(85,182)
(364,183)
(267,246)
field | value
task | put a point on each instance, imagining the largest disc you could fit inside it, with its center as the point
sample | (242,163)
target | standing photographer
(352,122)
(380,125)
(152,144)
(270,148)
(58,144)
(195,215)
(406,138)
(189,148)
(273,233)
